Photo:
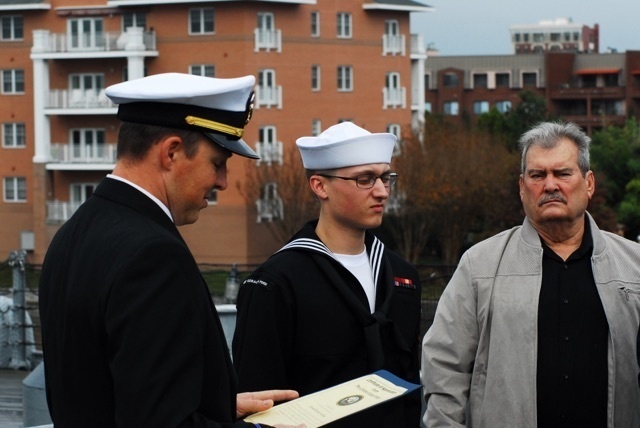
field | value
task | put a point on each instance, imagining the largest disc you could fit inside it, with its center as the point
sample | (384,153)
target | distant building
(316,62)
(558,35)
(592,90)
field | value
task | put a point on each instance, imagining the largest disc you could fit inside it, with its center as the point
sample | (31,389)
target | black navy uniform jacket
(304,323)
(130,335)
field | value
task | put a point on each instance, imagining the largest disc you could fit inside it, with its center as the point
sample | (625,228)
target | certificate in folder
(322,407)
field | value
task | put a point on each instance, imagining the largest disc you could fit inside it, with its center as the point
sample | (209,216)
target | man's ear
(171,148)
(318,186)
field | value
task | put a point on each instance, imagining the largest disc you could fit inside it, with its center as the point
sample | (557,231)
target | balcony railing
(134,39)
(270,209)
(78,98)
(268,96)
(83,153)
(269,152)
(61,211)
(417,45)
(394,97)
(580,89)
(393,44)
(267,40)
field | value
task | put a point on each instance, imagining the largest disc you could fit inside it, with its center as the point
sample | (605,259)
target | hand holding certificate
(322,407)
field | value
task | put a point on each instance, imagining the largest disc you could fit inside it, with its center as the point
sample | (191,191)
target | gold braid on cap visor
(215,126)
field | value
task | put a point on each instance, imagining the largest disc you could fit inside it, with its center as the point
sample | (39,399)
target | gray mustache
(552,197)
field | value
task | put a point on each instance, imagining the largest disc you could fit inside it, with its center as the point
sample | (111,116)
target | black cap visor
(236,146)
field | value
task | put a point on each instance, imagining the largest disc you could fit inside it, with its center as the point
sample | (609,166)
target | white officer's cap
(343,145)
(219,108)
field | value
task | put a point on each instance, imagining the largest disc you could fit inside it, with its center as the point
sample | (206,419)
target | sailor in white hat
(338,303)
(219,108)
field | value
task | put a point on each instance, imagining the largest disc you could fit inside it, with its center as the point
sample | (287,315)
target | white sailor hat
(219,108)
(345,144)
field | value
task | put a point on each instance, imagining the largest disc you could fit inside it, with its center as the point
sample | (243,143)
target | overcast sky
(481,27)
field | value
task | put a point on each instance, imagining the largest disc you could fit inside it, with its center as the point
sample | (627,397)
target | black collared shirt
(572,342)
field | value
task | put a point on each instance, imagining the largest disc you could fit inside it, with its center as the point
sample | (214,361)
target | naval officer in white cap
(337,303)
(130,335)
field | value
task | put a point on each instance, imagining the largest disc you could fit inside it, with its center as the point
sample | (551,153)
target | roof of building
(404,5)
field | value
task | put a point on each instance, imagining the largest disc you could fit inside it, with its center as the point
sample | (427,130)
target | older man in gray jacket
(538,326)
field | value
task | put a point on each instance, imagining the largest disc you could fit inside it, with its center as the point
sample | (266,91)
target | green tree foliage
(629,211)
(615,157)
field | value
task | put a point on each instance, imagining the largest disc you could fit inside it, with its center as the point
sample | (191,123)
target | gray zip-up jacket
(479,358)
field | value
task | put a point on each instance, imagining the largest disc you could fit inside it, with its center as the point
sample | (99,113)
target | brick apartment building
(316,63)
(592,90)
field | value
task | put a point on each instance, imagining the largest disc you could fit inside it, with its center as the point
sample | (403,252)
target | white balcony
(269,152)
(84,153)
(268,96)
(107,44)
(60,99)
(394,97)
(61,211)
(418,51)
(267,40)
(393,44)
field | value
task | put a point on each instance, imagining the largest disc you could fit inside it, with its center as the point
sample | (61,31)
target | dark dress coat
(304,323)
(130,335)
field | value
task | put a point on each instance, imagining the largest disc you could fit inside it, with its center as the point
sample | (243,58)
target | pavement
(11,397)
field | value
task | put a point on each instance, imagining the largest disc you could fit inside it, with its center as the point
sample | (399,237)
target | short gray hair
(548,134)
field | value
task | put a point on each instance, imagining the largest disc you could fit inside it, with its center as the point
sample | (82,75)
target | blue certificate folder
(336,402)
(397,381)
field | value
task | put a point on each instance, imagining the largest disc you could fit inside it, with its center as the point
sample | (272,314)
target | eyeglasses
(367,181)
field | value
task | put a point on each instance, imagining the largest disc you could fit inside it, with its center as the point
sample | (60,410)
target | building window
(451,108)
(526,37)
(87,144)
(450,80)
(201,20)
(345,78)
(503,106)
(427,107)
(15,189)
(315,77)
(344,25)
(576,36)
(529,79)
(502,80)
(86,33)
(392,41)
(393,92)
(12,27)
(202,70)
(315,24)
(212,199)
(516,37)
(79,193)
(13,81)
(13,135)
(267,37)
(269,205)
(134,19)
(480,80)
(316,127)
(268,147)
(427,81)
(395,129)
(480,107)
(268,94)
